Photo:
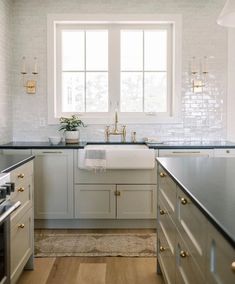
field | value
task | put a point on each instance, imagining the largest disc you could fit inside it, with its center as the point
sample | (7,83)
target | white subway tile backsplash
(203,115)
(5,75)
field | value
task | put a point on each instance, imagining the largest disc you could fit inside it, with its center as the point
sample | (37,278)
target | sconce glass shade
(227,16)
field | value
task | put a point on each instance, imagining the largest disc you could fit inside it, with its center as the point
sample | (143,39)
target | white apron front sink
(122,156)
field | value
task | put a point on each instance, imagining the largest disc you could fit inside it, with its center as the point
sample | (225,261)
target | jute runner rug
(90,244)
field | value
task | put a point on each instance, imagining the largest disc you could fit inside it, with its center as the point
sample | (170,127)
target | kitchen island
(196,228)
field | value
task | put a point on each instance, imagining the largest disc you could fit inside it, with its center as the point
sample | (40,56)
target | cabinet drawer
(186,153)
(220,258)
(19,175)
(166,226)
(192,226)
(167,190)
(23,179)
(21,242)
(229,153)
(186,267)
(166,258)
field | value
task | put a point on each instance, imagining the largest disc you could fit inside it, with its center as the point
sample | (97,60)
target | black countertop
(210,184)
(11,162)
(81,145)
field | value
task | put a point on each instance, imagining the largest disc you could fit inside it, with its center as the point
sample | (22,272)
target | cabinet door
(95,201)
(53,184)
(21,242)
(136,201)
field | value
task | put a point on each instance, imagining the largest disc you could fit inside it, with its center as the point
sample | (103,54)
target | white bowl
(54,140)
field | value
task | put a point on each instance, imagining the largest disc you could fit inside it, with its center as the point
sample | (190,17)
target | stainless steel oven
(6,209)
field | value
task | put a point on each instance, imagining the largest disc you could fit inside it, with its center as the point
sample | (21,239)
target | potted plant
(70,127)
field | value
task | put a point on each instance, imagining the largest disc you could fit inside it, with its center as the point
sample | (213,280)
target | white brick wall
(203,115)
(5,55)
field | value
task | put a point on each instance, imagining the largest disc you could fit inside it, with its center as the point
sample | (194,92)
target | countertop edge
(202,208)
(16,165)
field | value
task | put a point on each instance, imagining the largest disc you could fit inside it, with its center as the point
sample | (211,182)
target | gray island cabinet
(195,224)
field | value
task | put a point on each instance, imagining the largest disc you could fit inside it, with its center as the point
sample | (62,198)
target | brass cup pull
(183,254)
(161,248)
(183,200)
(162,175)
(20,176)
(233,266)
(21,226)
(162,212)
(21,189)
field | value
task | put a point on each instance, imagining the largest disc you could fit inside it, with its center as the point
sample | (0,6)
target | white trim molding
(174,19)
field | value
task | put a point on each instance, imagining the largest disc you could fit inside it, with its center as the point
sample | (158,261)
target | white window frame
(136,20)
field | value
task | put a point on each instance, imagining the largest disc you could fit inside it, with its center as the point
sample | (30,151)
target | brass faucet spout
(115,130)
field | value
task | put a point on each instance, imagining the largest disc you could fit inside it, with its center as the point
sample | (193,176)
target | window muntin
(144,71)
(84,71)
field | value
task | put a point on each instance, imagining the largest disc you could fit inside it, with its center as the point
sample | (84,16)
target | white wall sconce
(198,73)
(227,16)
(30,84)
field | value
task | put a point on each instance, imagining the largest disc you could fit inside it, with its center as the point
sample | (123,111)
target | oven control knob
(8,188)
(3,192)
(12,185)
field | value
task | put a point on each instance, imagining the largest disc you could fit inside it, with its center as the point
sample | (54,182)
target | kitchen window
(97,67)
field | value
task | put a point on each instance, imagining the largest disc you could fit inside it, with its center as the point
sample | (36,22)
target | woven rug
(79,244)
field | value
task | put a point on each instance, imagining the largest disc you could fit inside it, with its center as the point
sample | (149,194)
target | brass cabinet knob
(162,174)
(183,253)
(21,189)
(161,248)
(21,226)
(183,200)
(233,266)
(162,212)
(20,176)
(117,193)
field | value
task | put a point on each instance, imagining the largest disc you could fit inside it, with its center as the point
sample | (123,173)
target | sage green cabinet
(53,184)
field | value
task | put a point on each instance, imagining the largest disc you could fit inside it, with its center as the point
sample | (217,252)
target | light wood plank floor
(93,270)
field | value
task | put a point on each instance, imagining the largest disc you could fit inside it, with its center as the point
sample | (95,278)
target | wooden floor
(93,270)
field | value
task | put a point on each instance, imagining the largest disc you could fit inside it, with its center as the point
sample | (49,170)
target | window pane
(131,91)
(131,50)
(155,50)
(97,50)
(72,50)
(155,92)
(96,91)
(73,92)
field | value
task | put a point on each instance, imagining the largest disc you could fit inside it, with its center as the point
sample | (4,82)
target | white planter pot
(72,137)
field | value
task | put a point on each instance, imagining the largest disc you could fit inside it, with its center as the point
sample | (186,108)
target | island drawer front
(167,189)
(192,226)
(228,153)
(166,226)
(220,259)
(166,258)
(186,267)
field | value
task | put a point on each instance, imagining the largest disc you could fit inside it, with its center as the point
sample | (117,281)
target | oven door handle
(10,210)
